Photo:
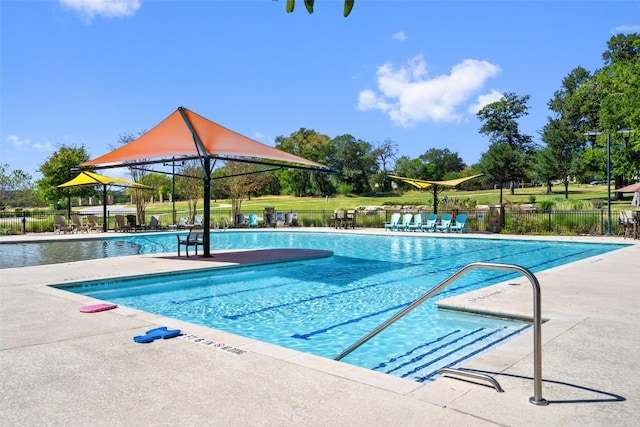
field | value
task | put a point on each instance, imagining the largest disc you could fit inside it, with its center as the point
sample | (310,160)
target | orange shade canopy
(186,135)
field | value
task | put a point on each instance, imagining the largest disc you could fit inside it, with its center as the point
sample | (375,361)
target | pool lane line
(494,278)
(455,350)
(408,353)
(318,278)
(300,301)
(420,357)
(350,321)
(475,352)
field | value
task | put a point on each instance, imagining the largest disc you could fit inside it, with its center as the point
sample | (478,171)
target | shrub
(546,205)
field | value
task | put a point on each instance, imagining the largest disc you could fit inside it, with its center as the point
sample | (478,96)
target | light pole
(592,136)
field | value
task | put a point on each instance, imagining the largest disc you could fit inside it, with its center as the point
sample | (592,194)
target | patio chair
(133,223)
(288,219)
(417,222)
(77,224)
(92,223)
(406,221)
(197,221)
(154,224)
(253,220)
(270,220)
(393,222)
(338,218)
(121,223)
(221,225)
(460,225)
(350,219)
(60,225)
(627,222)
(430,223)
(183,222)
(445,223)
(241,221)
(193,239)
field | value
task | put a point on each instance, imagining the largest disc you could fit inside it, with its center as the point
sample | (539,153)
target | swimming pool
(322,306)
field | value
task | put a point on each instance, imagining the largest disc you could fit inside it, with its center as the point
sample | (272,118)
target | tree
(501,163)
(241,180)
(411,168)
(500,123)
(291,4)
(138,174)
(438,163)
(57,169)
(160,183)
(620,104)
(308,144)
(386,153)
(16,188)
(355,162)
(189,185)
(559,159)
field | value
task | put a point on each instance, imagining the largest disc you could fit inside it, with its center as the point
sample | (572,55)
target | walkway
(62,367)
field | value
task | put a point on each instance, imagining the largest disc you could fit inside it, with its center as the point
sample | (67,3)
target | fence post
(24,222)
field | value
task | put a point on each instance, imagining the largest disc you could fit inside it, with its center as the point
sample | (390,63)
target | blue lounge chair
(445,223)
(417,222)
(460,225)
(430,223)
(393,222)
(253,220)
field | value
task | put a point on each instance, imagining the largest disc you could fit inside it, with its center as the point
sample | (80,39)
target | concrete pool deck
(62,367)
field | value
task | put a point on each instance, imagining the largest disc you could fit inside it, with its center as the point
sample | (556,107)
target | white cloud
(400,36)
(259,136)
(47,146)
(626,29)
(409,95)
(88,9)
(20,144)
(25,144)
(485,99)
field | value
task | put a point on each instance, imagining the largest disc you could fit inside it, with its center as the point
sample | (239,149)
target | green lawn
(485,197)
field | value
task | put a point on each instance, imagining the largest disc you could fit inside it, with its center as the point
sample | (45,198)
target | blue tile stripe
(455,350)
(432,351)
(413,350)
(350,321)
(473,353)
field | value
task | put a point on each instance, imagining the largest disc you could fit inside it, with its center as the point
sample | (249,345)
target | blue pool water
(322,306)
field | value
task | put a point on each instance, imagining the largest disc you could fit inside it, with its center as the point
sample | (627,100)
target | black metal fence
(533,222)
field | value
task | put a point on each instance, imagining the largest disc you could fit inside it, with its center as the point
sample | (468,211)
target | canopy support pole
(206,166)
(435,199)
(206,238)
(104,208)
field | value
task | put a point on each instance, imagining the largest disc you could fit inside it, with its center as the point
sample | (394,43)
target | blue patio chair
(460,225)
(253,220)
(393,222)
(430,223)
(417,222)
(445,223)
(406,221)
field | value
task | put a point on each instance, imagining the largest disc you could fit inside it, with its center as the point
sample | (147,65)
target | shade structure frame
(424,184)
(92,179)
(187,135)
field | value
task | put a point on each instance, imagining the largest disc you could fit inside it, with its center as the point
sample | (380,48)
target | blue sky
(78,72)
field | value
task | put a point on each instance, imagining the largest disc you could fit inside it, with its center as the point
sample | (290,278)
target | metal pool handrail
(537,398)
